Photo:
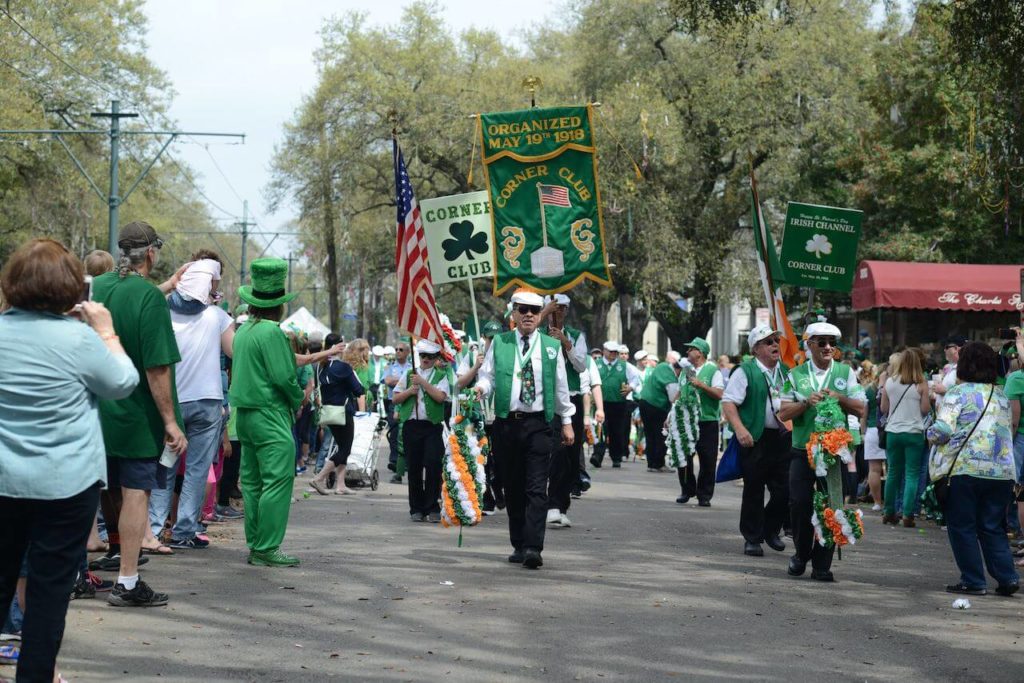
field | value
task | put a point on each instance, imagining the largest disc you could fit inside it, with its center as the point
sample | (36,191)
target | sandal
(344,492)
(159,550)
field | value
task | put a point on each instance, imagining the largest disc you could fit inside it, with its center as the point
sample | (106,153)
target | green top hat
(700,345)
(268,279)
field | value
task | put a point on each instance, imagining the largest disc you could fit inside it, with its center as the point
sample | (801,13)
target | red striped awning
(937,286)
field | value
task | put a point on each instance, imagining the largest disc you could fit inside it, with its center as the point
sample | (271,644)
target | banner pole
(543,217)
(472,303)
(810,303)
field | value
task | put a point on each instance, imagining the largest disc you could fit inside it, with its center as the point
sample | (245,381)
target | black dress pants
(494,496)
(424,450)
(565,461)
(654,421)
(229,476)
(765,465)
(801,504)
(524,448)
(55,533)
(702,485)
(616,430)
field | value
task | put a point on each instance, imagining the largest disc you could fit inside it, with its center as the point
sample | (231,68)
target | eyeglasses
(525,309)
(822,343)
(771,341)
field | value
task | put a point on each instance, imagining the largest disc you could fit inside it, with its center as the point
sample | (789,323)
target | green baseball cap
(701,345)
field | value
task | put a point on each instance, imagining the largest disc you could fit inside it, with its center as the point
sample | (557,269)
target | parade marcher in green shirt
(659,392)
(750,403)
(136,429)
(809,384)
(706,380)
(526,373)
(420,396)
(265,393)
(618,380)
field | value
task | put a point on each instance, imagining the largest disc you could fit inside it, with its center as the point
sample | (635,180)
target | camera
(1009,333)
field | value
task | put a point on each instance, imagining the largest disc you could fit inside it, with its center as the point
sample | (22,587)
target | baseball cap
(138,234)
(700,344)
(758,333)
(955,340)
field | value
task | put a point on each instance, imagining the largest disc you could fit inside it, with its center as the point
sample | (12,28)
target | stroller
(371,431)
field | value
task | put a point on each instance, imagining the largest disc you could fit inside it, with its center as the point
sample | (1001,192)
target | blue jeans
(180,304)
(203,430)
(325,450)
(1012,518)
(975,511)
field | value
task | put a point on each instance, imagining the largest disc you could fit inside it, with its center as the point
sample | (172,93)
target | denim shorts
(142,474)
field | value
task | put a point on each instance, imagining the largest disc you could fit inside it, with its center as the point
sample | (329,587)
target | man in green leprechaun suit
(809,384)
(705,380)
(525,370)
(265,393)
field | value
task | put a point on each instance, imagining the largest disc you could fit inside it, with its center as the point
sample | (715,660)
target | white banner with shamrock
(458,231)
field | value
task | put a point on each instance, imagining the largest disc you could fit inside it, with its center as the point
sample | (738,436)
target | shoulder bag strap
(893,411)
(949,472)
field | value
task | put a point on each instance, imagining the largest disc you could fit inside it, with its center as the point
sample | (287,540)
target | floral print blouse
(989,453)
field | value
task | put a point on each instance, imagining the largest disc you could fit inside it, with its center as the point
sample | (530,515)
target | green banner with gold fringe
(541,169)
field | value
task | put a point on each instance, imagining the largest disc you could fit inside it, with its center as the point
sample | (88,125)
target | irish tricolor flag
(771,279)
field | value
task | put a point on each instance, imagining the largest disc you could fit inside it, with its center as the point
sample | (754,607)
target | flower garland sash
(683,428)
(828,453)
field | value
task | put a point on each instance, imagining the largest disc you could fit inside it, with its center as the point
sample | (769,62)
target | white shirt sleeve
(485,376)
(716,380)
(633,377)
(563,406)
(736,390)
(578,354)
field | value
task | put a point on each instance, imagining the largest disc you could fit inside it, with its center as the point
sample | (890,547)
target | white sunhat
(377,350)
(611,346)
(527,298)
(823,328)
(427,346)
(389,350)
(640,355)
(560,299)
(623,348)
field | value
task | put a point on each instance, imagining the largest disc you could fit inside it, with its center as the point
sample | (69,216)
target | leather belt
(521,415)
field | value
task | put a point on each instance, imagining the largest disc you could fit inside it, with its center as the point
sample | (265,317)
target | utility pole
(113,199)
(245,235)
(291,260)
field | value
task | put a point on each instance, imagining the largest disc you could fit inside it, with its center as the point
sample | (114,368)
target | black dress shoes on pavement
(775,543)
(753,549)
(797,567)
(595,462)
(683,500)
(516,557)
(822,575)
(531,559)
(704,503)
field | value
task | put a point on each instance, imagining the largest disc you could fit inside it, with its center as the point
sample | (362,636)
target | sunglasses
(771,341)
(822,343)
(524,309)
(429,356)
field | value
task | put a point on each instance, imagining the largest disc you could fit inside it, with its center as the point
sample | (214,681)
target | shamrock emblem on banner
(818,245)
(463,241)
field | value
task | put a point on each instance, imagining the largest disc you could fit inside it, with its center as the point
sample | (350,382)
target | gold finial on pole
(532,83)
(392,116)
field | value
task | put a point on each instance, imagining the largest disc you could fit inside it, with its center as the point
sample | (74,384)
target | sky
(243,66)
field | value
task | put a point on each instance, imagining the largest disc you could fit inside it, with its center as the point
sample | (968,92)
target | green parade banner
(541,170)
(819,246)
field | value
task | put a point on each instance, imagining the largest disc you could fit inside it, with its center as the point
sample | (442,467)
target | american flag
(554,195)
(417,311)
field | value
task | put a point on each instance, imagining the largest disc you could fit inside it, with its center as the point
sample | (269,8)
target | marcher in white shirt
(525,370)
(619,379)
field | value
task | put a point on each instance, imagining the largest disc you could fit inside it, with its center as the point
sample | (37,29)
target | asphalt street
(639,589)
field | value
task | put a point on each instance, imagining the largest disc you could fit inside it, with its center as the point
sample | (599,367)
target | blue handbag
(729,466)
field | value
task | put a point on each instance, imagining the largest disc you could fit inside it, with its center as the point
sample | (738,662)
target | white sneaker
(565,521)
(876,507)
(554,516)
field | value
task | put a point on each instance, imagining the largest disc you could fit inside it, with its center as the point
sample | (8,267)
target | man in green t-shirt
(136,429)
(705,379)
(808,385)
(659,392)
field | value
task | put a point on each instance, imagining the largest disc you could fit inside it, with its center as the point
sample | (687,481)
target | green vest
(506,346)
(752,409)
(800,378)
(657,379)
(613,376)
(435,410)
(710,408)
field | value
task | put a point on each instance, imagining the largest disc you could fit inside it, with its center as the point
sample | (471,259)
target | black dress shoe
(775,543)
(516,557)
(797,567)
(595,462)
(683,500)
(616,464)
(531,559)
(753,549)
(704,503)
(1007,589)
(822,575)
